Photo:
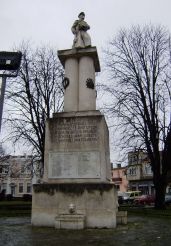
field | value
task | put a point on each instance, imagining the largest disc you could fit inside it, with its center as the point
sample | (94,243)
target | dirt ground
(139,231)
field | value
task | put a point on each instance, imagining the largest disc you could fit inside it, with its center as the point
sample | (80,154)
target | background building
(139,173)
(119,178)
(16,174)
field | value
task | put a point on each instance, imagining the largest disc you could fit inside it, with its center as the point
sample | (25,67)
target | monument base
(70,221)
(95,205)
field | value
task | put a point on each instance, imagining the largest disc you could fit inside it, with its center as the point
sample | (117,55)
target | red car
(144,200)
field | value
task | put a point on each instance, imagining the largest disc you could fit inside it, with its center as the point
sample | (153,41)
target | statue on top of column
(79,29)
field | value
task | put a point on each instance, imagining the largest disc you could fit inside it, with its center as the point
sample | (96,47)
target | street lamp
(9,67)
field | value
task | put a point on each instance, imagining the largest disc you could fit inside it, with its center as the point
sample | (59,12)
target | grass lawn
(147,210)
(23,208)
(15,208)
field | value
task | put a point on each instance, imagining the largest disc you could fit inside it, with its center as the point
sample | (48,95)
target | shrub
(27,197)
(9,197)
(2,195)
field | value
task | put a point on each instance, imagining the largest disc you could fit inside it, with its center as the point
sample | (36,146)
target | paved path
(139,231)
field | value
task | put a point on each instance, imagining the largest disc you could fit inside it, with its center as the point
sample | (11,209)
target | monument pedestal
(77,148)
(77,169)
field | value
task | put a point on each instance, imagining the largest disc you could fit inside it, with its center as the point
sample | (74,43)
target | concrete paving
(139,231)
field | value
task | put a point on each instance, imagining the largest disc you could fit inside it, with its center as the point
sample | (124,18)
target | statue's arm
(84,26)
(87,27)
(74,27)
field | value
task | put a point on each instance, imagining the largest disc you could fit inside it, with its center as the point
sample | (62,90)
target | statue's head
(81,15)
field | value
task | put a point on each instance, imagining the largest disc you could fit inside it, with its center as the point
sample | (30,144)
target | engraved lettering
(76,130)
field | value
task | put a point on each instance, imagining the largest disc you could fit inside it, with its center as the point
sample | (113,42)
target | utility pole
(9,67)
(2,93)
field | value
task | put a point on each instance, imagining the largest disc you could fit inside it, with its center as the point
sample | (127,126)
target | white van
(129,196)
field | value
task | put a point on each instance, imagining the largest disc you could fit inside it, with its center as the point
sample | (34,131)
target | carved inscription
(74,164)
(76,130)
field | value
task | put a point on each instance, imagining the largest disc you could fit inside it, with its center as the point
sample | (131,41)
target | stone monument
(76,192)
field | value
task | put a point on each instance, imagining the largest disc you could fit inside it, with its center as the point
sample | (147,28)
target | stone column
(87,92)
(80,67)
(71,92)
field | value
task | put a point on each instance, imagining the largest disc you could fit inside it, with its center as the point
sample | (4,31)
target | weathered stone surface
(71,92)
(94,201)
(121,218)
(77,53)
(70,221)
(74,165)
(80,66)
(87,96)
(77,147)
(79,29)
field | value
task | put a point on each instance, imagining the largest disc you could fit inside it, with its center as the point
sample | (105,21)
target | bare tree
(34,96)
(138,63)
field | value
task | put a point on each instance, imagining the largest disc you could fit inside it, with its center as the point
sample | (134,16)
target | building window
(28,169)
(13,190)
(4,169)
(28,187)
(4,187)
(117,187)
(21,188)
(147,169)
(132,171)
(169,189)
(124,173)
(22,169)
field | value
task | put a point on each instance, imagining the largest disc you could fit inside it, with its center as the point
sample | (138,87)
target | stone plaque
(76,130)
(74,164)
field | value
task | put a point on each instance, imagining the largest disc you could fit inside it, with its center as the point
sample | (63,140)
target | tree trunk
(160,188)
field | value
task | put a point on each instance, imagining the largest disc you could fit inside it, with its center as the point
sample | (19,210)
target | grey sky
(48,22)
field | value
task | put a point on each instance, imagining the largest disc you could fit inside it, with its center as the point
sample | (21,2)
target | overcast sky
(48,22)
